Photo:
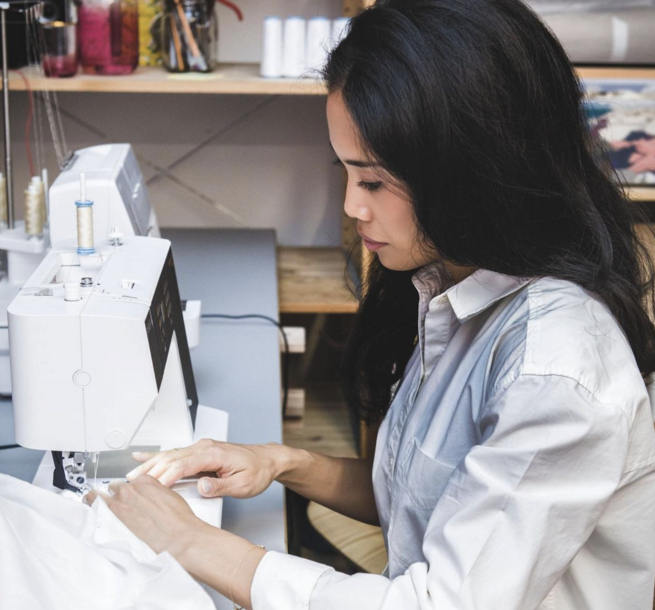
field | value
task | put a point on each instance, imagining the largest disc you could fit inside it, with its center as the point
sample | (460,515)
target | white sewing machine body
(114,182)
(116,186)
(100,361)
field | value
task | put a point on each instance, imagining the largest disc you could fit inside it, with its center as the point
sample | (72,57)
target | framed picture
(622,115)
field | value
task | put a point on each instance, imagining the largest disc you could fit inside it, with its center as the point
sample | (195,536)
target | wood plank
(616,72)
(312,280)
(241,79)
(363,544)
(641,193)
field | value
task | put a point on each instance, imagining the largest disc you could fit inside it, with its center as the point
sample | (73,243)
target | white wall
(252,161)
(265,162)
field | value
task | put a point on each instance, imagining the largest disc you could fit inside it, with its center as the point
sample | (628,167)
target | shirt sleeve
(512,517)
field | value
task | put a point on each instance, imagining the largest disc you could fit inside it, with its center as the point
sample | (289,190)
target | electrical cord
(285,367)
(8,447)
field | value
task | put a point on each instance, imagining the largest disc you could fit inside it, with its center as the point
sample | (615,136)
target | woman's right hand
(241,471)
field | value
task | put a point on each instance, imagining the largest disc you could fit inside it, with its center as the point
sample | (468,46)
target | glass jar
(108,34)
(189,35)
(57,22)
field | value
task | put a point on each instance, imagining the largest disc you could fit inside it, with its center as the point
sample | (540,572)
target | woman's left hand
(154,513)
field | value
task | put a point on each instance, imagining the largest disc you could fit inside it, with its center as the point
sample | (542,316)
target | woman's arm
(342,484)
(244,471)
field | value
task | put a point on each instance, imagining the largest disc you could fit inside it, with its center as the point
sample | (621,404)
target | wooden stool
(361,543)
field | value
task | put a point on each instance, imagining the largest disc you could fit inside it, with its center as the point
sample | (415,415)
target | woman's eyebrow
(355,162)
(360,163)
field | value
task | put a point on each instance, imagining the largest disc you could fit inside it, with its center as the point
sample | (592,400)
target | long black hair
(474,107)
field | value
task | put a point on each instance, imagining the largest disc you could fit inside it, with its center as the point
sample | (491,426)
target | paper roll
(319,43)
(293,53)
(271,66)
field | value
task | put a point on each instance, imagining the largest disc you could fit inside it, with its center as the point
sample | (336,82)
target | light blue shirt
(515,469)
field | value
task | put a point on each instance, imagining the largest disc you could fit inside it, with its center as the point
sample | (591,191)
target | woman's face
(384,214)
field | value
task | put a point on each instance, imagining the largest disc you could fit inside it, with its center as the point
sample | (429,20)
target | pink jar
(108,36)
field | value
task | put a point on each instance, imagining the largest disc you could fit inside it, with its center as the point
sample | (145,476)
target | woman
(514,466)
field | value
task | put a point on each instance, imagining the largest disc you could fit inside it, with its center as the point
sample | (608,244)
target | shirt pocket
(426,478)
(420,486)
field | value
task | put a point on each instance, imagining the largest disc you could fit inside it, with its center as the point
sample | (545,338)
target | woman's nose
(356,208)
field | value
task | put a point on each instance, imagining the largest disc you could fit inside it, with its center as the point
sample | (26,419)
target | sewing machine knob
(72,291)
(81,379)
(116,439)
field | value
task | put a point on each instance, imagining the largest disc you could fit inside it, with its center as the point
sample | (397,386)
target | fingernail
(135,453)
(205,485)
(131,474)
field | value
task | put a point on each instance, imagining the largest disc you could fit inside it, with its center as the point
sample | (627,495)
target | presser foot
(70,471)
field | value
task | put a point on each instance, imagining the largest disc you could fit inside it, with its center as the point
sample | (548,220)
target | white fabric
(59,554)
(515,468)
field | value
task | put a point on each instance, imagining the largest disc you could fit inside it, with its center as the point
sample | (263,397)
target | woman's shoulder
(565,330)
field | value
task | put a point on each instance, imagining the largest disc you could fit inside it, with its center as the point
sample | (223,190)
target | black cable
(285,367)
(8,447)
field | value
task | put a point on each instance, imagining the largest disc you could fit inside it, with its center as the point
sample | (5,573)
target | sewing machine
(114,183)
(100,364)
(116,186)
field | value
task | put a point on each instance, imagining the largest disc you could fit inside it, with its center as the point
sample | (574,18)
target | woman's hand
(164,521)
(154,513)
(242,471)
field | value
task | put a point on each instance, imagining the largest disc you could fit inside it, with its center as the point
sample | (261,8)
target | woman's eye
(369,186)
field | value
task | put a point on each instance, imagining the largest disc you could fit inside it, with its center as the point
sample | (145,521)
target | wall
(209,160)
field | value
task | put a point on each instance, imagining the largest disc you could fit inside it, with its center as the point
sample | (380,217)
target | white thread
(85,227)
(38,183)
(82,187)
(3,200)
(46,193)
(33,219)
(271,66)
(293,47)
(621,40)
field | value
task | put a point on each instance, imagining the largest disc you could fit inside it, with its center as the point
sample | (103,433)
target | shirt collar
(473,294)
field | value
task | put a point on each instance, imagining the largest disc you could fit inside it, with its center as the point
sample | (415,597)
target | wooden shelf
(312,280)
(241,79)
(227,79)
(616,72)
(641,193)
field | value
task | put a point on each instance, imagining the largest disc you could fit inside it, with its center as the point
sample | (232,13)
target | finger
(158,461)
(114,486)
(92,495)
(183,467)
(145,467)
(159,468)
(143,456)
(211,487)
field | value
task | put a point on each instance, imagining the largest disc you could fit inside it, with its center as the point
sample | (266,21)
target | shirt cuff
(284,582)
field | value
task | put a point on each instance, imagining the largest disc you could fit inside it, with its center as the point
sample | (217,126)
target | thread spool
(46,192)
(271,66)
(38,183)
(3,200)
(319,36)
(84,207)
(33,218)
(339,29)
(293,52)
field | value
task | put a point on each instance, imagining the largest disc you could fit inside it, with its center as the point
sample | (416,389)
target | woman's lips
(372,246)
